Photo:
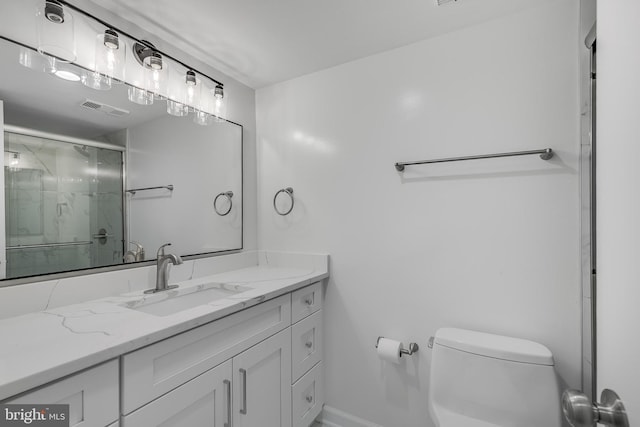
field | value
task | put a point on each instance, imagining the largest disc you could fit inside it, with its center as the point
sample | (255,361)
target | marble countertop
(40,347)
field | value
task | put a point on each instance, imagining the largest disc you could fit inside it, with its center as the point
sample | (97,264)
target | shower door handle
(102,236)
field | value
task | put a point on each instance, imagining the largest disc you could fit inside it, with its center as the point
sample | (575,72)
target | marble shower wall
(56,193)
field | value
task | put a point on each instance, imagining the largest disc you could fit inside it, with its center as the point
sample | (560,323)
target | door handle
(581,412)
(227,387)
(243,392)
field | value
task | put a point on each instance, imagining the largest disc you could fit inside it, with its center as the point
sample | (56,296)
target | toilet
(485,380)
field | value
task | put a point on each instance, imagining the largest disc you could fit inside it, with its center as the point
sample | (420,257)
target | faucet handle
(161,250)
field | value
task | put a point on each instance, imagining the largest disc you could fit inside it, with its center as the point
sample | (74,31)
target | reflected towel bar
(134,190)
(47,245)
(545,154)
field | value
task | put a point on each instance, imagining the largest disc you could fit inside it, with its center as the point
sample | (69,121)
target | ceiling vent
(441,2)
(107,109)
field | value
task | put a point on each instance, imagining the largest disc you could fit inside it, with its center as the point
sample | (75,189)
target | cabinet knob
(308,301)
(308,344)
(309,398)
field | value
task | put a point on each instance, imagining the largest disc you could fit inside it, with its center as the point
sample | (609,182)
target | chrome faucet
(162,275)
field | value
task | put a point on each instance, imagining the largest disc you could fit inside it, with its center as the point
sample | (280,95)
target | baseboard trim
(332,417)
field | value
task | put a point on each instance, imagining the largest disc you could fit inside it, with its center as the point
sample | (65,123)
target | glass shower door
(63,206)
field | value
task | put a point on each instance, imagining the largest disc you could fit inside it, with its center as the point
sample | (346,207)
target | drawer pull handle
(309,398)
(227,387)
(308,301)
(243,384)
(308,344)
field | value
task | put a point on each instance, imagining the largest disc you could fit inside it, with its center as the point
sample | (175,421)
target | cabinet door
(92,396)
(203,401)
(262,384)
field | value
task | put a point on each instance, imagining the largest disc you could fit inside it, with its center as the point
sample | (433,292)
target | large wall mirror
(93,180)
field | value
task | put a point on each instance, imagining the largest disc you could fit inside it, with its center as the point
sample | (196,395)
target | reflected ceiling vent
(441,2)
(107,109)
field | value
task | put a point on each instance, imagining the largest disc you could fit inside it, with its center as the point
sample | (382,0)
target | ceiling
(262,42)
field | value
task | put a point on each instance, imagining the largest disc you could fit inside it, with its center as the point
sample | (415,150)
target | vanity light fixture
(176,108)
(202,118)
(159,76)
(140,96)
(220,106)
(190,78)
(55,29)
(218,92)
(36,61)
(109,62)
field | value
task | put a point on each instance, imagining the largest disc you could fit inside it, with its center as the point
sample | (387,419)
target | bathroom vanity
(241,348)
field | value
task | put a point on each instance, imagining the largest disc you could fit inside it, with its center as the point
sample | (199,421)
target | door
(262,384)
(203,401)
(618,181)
(618,214)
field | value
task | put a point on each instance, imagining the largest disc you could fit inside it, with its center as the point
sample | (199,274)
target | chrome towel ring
(228,195)
(288,191)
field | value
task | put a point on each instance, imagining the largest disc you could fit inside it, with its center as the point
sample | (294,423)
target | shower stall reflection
(63,206)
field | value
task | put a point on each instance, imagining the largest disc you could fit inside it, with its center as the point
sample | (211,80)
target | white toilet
(482,380)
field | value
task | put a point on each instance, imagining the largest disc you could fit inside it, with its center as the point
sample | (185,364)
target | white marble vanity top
(40,347)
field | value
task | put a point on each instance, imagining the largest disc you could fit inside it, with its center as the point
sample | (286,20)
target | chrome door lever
(581,412)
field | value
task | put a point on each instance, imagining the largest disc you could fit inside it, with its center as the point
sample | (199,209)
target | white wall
(618,200)
(490,245)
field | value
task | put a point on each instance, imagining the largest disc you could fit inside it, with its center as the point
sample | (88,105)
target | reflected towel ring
(228,195)
(289,192)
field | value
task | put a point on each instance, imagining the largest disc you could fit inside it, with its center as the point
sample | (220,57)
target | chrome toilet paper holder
(413,348)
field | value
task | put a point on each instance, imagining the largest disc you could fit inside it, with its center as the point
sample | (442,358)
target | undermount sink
(176,300)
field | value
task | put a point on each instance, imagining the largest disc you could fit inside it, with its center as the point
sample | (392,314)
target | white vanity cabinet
(92,396)
(261,379)
(307,389)
(203,401)
(258,367)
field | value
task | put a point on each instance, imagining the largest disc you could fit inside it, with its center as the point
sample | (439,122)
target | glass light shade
(220,107)
(176,108)
(140,96)
(36,61)
(202,118)
(110,55)
(156,75)
(180,92)
(95,80)
(55,30)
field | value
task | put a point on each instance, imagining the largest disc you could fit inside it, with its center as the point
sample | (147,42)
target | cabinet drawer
(306,344)
(203,401)
(308,397)
(161,367)
(92,396)
(306,301)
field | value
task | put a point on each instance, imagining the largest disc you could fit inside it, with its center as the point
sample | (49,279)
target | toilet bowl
(485,380)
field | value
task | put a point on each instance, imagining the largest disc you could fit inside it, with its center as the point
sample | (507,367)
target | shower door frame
(78,141)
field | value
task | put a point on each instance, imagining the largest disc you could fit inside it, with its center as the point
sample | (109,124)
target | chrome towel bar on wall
(545,154)
(135,190)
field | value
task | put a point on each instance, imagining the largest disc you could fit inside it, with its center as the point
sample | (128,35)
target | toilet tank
(490,380)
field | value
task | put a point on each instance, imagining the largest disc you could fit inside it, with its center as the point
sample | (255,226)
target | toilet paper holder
(413,347)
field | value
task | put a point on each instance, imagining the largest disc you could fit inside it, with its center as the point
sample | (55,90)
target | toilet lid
(446,418)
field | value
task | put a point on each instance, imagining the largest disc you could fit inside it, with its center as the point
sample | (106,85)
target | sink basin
(176,300)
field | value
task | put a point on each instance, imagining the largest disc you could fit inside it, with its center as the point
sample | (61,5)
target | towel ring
(228,195)
(289,192)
